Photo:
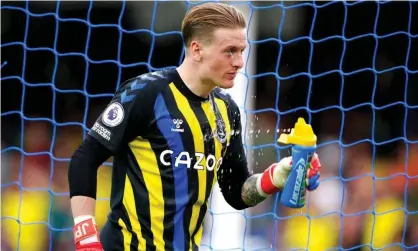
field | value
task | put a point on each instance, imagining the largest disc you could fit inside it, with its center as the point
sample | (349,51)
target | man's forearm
(82,175)
(249,192)
(82,205)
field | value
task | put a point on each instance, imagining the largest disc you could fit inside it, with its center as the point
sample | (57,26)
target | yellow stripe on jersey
(198,236)
(145,157)
(199,145)
(129,203)
(224,114)
(207,108)
(218,145)
(127,236)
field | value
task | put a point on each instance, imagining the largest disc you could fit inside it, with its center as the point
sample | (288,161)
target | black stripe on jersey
(118,209)
(134,241)
(167,181)
(141,201)
(231,126)
(219,117)
(209,148)
(192,176)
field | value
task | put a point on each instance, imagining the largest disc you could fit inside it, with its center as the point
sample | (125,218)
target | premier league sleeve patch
(113,115)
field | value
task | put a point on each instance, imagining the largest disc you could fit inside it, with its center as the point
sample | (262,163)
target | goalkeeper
(173,134)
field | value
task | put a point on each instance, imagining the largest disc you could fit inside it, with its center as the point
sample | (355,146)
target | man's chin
(226,84)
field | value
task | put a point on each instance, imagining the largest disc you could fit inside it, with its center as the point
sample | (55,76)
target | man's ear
(195,50)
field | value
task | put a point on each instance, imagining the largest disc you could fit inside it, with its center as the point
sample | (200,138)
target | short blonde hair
(201,20)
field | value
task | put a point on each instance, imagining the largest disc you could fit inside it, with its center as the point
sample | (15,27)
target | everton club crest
(220,131)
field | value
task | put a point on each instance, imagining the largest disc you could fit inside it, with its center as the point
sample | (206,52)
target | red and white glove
(312,179)
(274,178)
(86,236)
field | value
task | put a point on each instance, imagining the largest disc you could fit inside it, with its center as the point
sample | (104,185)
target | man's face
(222,58)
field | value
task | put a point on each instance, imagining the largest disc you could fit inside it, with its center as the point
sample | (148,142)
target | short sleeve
(125,117)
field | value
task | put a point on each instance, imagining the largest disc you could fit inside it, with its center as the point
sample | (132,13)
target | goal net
(349,68)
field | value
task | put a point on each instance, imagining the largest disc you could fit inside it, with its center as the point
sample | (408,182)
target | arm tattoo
(249,192)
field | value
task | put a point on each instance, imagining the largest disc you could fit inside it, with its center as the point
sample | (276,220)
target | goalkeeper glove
(86,236)
(274,178)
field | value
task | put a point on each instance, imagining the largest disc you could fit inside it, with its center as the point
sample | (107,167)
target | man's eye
(230,52)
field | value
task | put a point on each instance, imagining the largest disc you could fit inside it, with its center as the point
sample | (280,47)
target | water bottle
(303,142)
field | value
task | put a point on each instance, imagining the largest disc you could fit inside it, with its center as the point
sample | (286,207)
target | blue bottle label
(298,194)
(294,192)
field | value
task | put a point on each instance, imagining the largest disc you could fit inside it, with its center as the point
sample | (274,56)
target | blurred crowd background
(348,69)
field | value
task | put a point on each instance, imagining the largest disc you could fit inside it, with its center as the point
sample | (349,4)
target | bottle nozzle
(302,134)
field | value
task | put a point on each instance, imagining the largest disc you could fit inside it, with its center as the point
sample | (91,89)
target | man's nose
(238,61)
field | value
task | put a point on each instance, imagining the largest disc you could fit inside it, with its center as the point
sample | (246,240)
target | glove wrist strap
(265,185)
(85,231)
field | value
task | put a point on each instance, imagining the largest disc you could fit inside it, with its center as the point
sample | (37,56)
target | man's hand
(275,176)
(86,236)
(312,180)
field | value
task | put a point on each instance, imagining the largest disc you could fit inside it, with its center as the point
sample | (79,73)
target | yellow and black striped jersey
(170,146)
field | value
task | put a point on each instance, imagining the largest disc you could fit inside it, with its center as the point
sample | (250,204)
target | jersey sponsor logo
(184,158)
(113,115)
(106,134)
(177,124)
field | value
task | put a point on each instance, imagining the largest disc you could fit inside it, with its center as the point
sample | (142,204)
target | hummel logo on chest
(177,123)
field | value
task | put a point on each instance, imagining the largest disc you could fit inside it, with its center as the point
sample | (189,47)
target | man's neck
(195,84)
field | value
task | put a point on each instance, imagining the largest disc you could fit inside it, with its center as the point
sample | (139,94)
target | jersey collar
(182,87)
